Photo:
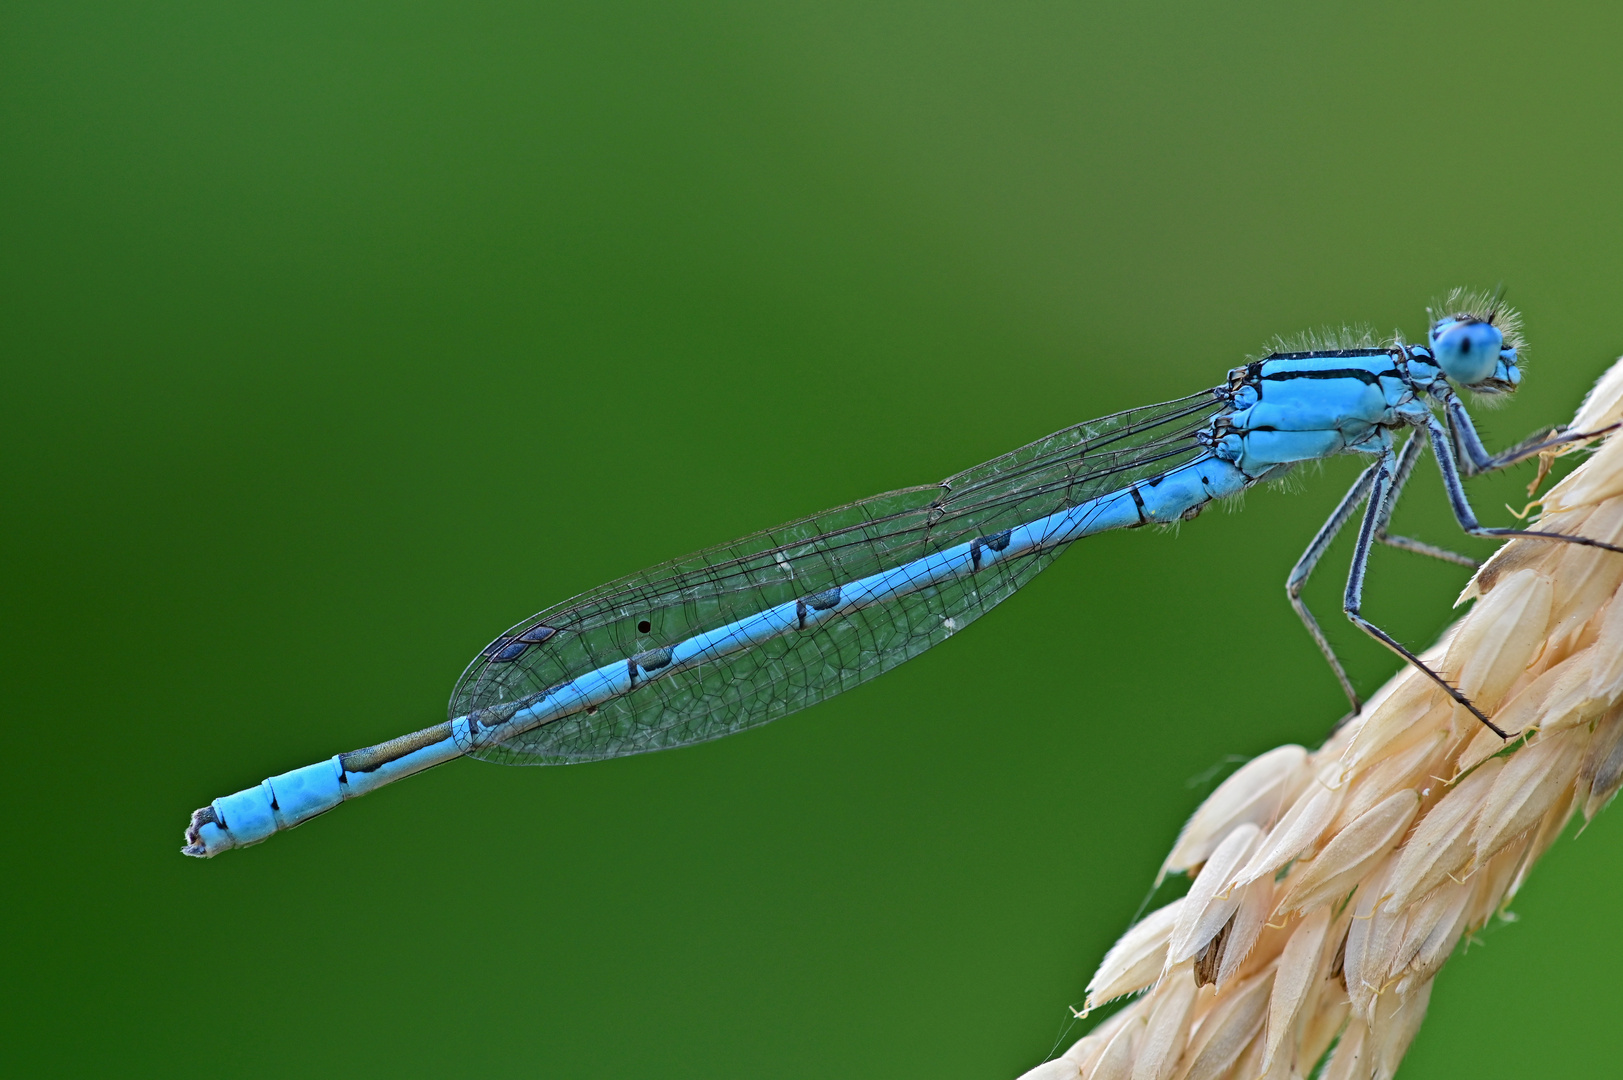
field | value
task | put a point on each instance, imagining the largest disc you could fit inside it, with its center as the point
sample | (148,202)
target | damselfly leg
(1460,453)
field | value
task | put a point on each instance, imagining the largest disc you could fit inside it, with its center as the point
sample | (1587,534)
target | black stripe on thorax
(1327,354)
(1369,377)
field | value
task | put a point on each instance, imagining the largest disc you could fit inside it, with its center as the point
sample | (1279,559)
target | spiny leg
(1382,494)
(1455,448)
(1473,457)
(1408,457)
(1310,559)
(1420,547)
(1297,581)
(1445,452)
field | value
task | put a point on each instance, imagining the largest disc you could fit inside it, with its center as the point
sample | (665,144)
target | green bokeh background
(338,337)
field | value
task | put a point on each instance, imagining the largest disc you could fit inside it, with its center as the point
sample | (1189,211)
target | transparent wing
(715,587)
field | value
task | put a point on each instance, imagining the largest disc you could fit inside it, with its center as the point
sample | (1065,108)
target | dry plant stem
(1330,887)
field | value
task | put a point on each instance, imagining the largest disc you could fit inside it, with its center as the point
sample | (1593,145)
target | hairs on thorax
(1294,479)
(1324,339)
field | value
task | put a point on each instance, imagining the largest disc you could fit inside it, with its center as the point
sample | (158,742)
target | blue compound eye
(1467,351)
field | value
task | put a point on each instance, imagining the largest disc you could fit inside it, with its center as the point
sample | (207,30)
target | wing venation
(807,561)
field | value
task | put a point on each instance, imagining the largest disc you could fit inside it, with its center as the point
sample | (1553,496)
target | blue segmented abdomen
(1163,499)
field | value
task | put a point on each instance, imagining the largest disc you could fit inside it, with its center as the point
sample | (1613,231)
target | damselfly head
(1474,339)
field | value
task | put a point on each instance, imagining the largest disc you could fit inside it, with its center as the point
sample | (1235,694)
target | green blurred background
(338,337)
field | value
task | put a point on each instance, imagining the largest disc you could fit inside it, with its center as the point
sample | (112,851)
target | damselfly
(746,632)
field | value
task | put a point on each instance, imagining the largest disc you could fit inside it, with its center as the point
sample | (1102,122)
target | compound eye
(1467,351)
